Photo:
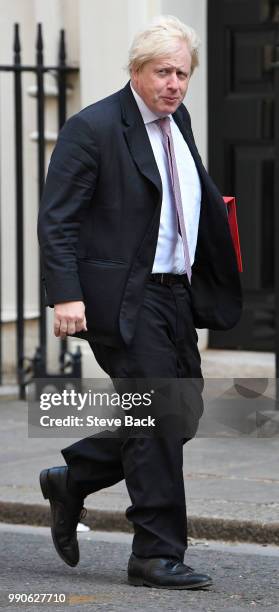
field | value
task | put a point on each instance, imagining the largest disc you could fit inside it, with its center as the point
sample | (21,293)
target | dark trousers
(165,345)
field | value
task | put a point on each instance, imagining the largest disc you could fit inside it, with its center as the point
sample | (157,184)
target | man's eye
(162,71)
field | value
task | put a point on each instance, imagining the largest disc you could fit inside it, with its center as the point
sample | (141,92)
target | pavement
(245,576)
(231,482)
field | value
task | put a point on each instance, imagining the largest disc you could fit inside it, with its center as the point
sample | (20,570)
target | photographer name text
(94,421)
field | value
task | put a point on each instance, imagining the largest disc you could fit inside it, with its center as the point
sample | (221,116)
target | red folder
(231,208)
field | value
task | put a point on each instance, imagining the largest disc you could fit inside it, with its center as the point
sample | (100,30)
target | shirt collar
(147,115)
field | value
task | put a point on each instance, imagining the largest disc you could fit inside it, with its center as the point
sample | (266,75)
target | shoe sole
(142,582)
(46,493)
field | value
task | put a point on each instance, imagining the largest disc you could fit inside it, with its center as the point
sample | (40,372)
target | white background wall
(11,12)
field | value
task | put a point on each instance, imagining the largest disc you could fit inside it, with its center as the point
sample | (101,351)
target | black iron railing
(70,364)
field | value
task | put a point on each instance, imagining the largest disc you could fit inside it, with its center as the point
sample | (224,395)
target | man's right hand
(69,318)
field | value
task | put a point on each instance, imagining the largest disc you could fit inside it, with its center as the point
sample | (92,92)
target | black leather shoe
(164,574)
(66,511)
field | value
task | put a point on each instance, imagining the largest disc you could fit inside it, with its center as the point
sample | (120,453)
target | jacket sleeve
(70,184)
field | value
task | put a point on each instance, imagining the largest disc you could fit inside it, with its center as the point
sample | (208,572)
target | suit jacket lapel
(137,138)
(206,180)
(186,133)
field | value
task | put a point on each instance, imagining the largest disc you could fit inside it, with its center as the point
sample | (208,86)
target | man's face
(162,82)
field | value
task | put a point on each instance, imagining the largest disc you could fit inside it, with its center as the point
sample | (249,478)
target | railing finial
(62,48)
(39,44)
(17,45)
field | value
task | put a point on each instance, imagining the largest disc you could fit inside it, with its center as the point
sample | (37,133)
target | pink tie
(164,124)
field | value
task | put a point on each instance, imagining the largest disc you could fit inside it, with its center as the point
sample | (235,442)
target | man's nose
(173,81)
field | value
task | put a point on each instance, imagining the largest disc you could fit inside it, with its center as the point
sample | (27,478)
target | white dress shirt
(169,256)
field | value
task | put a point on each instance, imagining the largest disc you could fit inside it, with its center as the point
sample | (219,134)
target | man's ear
(134,75)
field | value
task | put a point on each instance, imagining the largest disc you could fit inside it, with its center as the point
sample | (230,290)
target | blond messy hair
(160,38)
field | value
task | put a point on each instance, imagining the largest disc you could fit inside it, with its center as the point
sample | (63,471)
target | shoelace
(175,563)
(190,568)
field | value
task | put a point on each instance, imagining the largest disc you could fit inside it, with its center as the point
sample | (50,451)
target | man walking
(136,249)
